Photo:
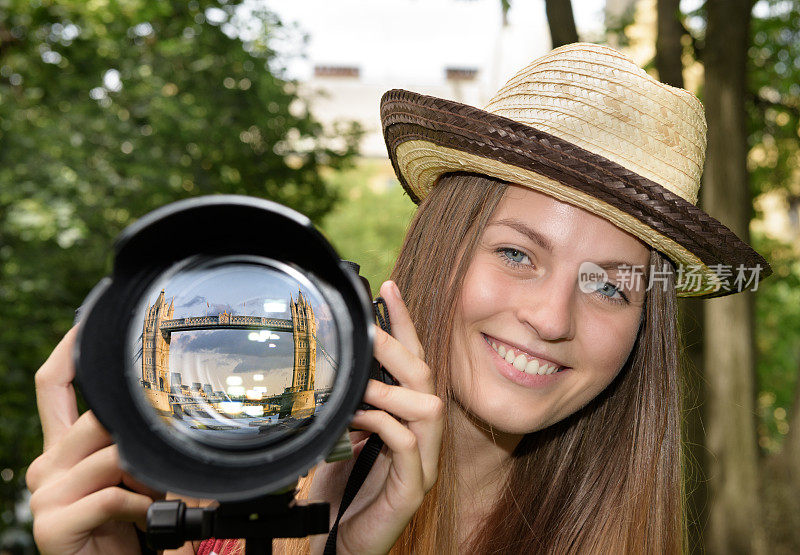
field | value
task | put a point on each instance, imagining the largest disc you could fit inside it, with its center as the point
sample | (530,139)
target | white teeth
(521,362)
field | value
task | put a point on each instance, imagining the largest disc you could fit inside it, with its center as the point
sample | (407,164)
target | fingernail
(360,412)
(396,291)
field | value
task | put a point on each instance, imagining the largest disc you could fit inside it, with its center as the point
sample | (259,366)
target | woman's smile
(523,367)
(524,360)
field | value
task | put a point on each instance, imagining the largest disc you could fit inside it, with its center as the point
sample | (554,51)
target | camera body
(381,311)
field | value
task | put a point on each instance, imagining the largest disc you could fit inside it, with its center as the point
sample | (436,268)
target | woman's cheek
(609,341)
(484,293)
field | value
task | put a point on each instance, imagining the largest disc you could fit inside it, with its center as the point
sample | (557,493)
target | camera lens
(235,352)
(227,350)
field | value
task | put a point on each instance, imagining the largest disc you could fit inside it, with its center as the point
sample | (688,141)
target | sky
(405,43)
(410,40)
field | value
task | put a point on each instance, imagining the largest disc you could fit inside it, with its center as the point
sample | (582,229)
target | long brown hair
(605,479)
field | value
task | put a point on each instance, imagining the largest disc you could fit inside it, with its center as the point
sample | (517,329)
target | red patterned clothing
(214,546)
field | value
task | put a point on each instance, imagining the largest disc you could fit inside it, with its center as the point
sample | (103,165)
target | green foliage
(774,107)
(774,164)
(369,225)
(109,109)
(778,341)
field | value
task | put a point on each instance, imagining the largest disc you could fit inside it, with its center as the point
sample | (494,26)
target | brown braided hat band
(585,126)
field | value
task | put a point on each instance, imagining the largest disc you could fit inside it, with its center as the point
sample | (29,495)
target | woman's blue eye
(608,290)
(513,256)
(612,293)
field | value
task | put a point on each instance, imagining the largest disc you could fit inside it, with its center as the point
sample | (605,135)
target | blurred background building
(456,49)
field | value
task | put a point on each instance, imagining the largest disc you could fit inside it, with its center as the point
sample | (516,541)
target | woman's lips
(522,360)
(511,370)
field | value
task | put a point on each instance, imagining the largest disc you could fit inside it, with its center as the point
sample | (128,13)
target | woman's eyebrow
(544,242)
(531,234)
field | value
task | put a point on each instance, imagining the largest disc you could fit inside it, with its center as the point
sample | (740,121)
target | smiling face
(537,335)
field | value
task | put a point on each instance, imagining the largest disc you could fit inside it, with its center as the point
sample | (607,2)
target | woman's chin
(517,427)
(507,419)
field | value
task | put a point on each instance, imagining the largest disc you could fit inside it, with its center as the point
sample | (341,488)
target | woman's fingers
(410,405)
(423,414)
(55,395)
(77,485)
(113,503)
(85,437)
(135,485)
(80,441)
(71,505)
(405,452)
(97,471)
(402,326)
(374,527)
(73,524)
(416,403)
(406,367)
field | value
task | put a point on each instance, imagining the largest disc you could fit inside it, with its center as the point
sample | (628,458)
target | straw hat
(585,125)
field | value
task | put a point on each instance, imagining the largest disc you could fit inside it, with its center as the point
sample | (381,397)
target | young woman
(535,338)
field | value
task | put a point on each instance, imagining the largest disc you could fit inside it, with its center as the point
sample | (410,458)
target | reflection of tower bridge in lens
(173,398)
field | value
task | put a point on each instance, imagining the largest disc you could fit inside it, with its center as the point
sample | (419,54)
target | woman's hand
(77,502)
(410,422)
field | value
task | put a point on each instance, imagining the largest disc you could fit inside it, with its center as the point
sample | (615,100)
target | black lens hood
(214,226)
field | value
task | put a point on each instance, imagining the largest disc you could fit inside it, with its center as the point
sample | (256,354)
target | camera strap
(369,453)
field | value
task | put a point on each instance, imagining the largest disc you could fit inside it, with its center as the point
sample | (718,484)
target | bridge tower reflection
(305,357)
(155,352)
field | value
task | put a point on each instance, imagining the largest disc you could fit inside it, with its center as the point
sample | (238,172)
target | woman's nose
(549,308)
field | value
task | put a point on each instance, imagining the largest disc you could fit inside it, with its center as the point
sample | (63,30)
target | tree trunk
(695,475)
(791,445)
(668,43)
(781,484)
(670,71)
(732,463)
(561,22)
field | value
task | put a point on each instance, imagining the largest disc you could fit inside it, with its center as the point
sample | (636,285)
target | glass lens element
(236,353)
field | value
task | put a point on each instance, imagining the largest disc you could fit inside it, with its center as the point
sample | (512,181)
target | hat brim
(427,137)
